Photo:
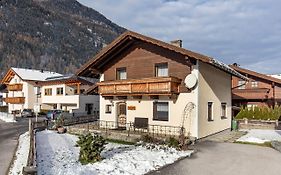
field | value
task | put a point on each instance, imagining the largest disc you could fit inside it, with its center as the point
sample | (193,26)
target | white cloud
(247,32)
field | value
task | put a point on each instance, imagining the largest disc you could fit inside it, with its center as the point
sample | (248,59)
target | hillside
(56,35)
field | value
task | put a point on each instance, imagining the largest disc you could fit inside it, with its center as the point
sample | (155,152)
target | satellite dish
(190,81)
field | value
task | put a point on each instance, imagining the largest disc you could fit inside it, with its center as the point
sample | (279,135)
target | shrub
(147,138)
(90,148)
(260,113)
(173,142)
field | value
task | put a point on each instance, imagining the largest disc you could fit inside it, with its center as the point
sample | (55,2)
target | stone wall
(259,124)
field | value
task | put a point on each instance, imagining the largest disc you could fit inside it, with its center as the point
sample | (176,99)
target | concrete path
(9,133)
(214,158)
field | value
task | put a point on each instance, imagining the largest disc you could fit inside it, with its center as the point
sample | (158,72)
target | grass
(120,142)
(265,144)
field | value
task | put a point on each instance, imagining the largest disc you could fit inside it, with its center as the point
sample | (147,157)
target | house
(259,90)
(48,90)
(66,93)
(164,84)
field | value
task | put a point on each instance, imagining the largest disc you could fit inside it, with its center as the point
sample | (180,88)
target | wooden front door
(122,111)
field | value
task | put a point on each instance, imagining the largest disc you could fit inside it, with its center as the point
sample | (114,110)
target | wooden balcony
(14,87)
(135,87)
(259,93)
(15,100)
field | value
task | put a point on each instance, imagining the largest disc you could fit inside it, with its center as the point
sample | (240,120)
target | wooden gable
(140,59)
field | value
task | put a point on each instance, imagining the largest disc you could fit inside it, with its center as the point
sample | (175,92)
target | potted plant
(59,124)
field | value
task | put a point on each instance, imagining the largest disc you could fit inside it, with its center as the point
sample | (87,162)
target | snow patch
(6,117)
(58,155)
(260,136)
(21,155)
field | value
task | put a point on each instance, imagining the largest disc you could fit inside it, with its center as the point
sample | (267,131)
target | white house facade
(166,85)
(49,90)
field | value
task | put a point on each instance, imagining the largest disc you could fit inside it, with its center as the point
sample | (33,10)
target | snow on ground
(21,155)
(7,117)
(58,155)
(260,136)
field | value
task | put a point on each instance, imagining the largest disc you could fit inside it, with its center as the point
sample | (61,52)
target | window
(254,84)
(210,111)
(223,111)
(60,91)
(161,111)
(252,106)
(48,91)
(108,109)
(161,70)
(241,84)
(121,74)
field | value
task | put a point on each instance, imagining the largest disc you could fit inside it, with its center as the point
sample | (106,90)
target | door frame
(118,104)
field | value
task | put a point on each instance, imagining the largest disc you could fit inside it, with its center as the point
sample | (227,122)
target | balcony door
(121,114)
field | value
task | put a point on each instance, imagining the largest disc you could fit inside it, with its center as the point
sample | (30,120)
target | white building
(50,90)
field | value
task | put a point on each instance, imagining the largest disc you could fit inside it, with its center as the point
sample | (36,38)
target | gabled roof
(28,74)
(256,74)
(129,36)
(68,79)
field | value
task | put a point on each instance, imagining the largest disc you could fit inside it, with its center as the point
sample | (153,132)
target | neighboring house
(50,90)
(66,92)
(141,77)
(259,90)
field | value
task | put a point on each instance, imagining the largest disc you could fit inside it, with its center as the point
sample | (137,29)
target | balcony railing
(15,100)
(258,93)
(145,86)
(14,87)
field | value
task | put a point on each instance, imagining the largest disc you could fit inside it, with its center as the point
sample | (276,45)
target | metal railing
(130,128)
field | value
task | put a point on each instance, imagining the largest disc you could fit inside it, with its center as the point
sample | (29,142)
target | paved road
(215,158)
(9,133)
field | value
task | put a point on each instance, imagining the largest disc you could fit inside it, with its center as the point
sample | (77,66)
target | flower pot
(61,130)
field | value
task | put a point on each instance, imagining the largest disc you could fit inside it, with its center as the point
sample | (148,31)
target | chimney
(177,43)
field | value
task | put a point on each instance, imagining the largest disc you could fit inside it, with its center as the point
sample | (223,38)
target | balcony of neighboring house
(257,93)
(14,87)
(15,100)
(138,87)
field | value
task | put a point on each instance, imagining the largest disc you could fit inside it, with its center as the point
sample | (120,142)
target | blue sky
(244,31)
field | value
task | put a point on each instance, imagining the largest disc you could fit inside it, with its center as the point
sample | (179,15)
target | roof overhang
(92,67)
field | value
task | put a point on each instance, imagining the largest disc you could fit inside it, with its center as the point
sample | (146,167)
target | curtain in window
(162,71)
(122,75)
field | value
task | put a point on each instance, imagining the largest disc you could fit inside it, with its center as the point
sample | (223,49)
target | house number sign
(131,107)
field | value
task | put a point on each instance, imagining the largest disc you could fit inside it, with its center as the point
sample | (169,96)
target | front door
(121,113)
(89,108)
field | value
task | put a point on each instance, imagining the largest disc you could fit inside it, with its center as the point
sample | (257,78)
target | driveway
(214,158)
(9,133)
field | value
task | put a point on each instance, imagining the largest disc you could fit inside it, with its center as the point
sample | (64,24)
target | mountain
(55,35)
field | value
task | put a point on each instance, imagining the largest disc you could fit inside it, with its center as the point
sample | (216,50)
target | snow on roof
(34,75)
(226,68)
(276,76)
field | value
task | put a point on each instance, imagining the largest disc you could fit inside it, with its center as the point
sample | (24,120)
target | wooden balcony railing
(258,93)
(145,86)
(15,100)
(15,87)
